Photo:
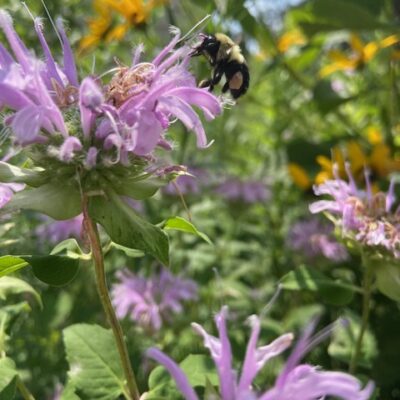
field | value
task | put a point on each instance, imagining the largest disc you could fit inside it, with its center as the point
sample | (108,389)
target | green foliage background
(290,114)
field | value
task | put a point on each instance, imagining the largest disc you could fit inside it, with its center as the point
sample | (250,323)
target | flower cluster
(315,239)
(150,301)
(243,191)
(89,123)
(303,382)
(362,216)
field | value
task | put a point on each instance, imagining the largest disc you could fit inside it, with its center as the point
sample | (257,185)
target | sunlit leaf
(8,376)
(94,365)
(181,224)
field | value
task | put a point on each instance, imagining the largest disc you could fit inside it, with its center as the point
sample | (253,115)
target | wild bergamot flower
(295,381)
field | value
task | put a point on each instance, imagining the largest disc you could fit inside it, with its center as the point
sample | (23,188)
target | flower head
(150,301)
(362,216)
(90,123)
(303,382)
(315,239)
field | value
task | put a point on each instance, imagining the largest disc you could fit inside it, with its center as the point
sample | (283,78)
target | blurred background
(324,88)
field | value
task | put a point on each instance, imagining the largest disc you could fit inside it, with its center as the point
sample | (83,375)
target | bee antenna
(196,27)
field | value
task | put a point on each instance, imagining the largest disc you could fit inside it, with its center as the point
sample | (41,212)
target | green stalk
(25,393)
(98,258)
(367,286)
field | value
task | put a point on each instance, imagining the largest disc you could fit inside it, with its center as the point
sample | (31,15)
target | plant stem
(26,394)
(367,286)
(97,253)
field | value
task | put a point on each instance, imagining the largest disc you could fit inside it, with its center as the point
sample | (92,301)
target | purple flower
(244,191)
(362,216)
(7,191)
(150,301)
(315,239)
(57,231)
(302,382)
(123,120)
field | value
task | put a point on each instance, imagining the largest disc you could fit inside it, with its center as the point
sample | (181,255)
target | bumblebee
(225,57)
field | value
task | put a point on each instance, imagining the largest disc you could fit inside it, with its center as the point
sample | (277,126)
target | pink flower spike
(20,51)
(90,100)
(175,371)
(69,62)
(50,63)
(163,53)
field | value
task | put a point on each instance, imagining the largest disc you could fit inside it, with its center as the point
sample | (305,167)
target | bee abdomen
(238,78)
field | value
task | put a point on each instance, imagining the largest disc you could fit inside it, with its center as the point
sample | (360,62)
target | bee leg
(217,74)
(225,88)
(205,83)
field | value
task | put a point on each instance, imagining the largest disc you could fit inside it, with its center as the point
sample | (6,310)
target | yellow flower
(360,54)
(114,18)
(299,176)
(374,135)
(289,39)
(380,162)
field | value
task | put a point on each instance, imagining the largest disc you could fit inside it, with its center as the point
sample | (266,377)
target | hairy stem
(25,393)
(367,286)
(97,254)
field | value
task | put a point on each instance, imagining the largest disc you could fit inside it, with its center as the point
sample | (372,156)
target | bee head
(208,47)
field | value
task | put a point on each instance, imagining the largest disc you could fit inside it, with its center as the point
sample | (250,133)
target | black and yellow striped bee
(226,57)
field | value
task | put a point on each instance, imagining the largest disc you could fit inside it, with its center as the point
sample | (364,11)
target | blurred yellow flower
(114,18)
(361,54)
(289,39)
(380,162)
(299,176)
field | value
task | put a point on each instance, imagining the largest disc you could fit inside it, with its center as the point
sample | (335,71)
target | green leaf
(12,174)
(181,224)
(94,366)
(304,278)
(388,280)
(71,249)
(129,252)
(54,270)
(69,392)
(10,285)
(199,369)
(59,200)
(139,188)
(344,341)
(8,377)
(10,264)
(127,228)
